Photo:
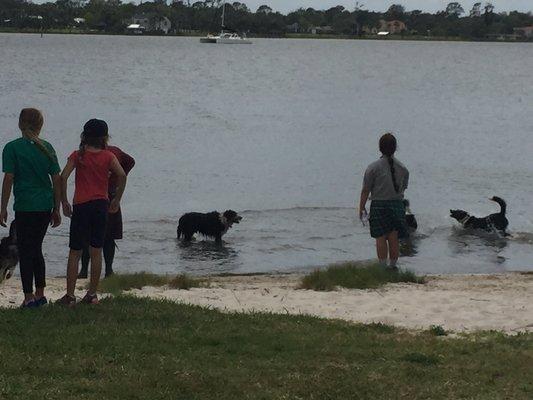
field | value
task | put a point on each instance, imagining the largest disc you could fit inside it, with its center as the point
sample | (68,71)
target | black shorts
(88,224)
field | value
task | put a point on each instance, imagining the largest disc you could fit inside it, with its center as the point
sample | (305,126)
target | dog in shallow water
(9,255)
(493,222)
(213,224)
(410,219)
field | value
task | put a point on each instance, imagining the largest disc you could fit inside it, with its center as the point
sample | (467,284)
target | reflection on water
(206,250)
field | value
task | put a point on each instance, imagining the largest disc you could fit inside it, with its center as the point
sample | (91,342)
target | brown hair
(31,122)
(97,142)
(387,146)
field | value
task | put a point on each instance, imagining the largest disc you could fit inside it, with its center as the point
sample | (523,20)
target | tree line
(112,16)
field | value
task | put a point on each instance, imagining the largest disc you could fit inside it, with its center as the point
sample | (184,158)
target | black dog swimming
(9,255)
(213,224)
(493,222)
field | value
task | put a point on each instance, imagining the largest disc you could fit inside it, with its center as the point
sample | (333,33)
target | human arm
(368,182)
(7,185)
(65,174)
(362,202)
(118,171)
(55,220)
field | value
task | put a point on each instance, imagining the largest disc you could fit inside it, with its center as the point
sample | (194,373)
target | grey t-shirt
(378,180)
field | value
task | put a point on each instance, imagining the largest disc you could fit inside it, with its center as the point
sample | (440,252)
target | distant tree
(454,10)
(264,9)
(396,11)
(489,14)
(476,10)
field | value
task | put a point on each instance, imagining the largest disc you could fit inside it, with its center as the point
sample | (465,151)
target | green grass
(117,283)
(131,348)
(355,276)
(437,330)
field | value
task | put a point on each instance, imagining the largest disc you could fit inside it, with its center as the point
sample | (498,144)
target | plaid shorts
(387,216)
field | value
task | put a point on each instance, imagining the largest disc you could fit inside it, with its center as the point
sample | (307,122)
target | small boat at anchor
(226,36)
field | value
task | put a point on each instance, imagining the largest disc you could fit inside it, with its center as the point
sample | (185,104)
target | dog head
(231,217)
(459,215)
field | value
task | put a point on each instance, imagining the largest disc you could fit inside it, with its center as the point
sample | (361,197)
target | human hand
(3,217)
(363,215)
(114,206)
(55,218)
(67,209)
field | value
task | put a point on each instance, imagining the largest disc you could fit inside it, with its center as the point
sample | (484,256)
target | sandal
(30,304)
(67,300)
(90,299)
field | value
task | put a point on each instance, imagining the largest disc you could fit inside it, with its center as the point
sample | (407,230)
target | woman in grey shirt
(385,181)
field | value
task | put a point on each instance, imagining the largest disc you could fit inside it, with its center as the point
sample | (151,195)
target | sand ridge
(460,303)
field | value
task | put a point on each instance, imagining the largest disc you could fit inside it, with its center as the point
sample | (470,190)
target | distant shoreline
(405,38)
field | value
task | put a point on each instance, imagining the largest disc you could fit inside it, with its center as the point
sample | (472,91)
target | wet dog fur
(493,222)
(212,225)
(9,255)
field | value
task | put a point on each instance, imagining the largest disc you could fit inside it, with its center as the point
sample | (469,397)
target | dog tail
(502,203)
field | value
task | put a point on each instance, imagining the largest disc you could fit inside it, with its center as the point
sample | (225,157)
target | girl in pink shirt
(93,165)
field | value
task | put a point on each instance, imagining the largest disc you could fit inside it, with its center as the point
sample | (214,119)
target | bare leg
(72,270)
(382,249)
(394,247)
(96,269)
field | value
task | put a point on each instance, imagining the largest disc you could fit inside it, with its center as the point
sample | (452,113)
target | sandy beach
(459,303)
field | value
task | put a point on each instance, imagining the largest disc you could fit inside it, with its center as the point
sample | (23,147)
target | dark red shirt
(126,161)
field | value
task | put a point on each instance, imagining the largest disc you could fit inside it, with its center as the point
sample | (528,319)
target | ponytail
(387,146)
(30,123)
(392,172)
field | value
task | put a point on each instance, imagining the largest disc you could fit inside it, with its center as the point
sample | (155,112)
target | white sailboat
(225,36)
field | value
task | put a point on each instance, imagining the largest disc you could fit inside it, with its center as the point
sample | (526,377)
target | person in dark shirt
(114,230)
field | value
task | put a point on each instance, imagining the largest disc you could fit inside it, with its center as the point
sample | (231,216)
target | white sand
(458,302)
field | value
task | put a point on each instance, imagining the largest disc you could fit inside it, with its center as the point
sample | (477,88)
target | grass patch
(356,276)
(185,282)
(437,330)
(132,348)
(118,283)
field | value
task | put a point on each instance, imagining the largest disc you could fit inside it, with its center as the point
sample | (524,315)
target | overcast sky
(382,5)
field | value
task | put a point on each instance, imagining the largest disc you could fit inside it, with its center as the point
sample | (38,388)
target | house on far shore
(293,28)
(149,23)
(135,29)
(524,32)
(320,30)
(393,27)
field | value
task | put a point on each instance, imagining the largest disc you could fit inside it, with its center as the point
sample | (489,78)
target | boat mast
(223,12)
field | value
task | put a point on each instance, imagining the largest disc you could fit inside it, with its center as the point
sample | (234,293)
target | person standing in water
(385,181)
(114,230)
(30,167)
(93,165)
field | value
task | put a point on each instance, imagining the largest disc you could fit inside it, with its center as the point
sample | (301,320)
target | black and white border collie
(213,225)
(9,255)
(493,222)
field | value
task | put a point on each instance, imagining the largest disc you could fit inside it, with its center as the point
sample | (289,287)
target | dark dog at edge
(410,218)
(9,255)
(490,223)
(213,224)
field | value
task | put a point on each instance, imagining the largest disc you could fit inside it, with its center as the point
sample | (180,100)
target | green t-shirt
(32,169)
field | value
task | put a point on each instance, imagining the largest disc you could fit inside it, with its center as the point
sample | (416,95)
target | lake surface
(282,131)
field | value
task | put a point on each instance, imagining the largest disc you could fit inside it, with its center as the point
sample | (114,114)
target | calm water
(281,131)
